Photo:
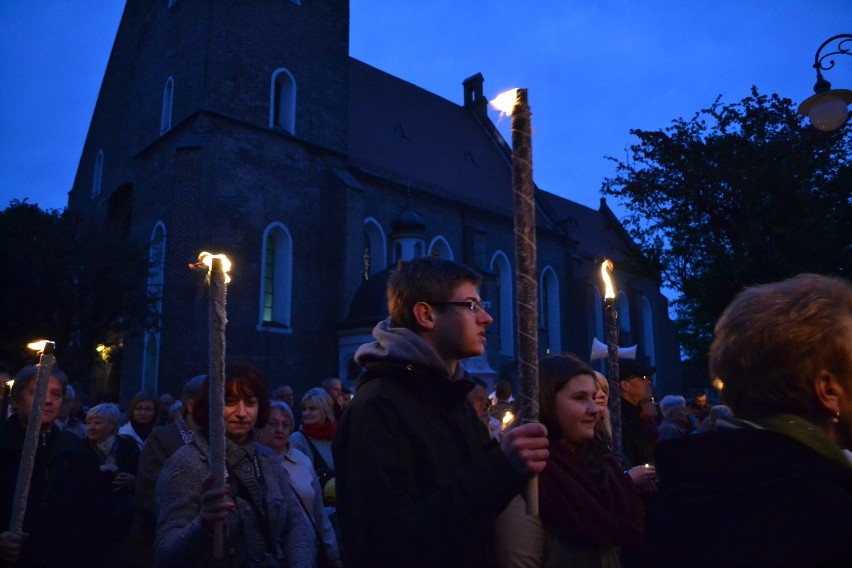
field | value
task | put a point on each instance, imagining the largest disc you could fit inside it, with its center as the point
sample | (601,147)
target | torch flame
(606,268)
(508,417)
(206,258)
(38,345)
(505,102)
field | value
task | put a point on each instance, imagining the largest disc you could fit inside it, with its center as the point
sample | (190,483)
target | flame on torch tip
(606,268)
(505,102)
(718,383)
(39,344)
(508,417)
(206,258)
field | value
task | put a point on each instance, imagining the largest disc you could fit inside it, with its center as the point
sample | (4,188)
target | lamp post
(827,108)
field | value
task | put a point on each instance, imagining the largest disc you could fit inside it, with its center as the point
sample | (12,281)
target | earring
(836,418)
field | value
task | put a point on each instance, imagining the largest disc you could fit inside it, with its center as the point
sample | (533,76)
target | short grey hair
(285,410)
(670,403)
(106,411)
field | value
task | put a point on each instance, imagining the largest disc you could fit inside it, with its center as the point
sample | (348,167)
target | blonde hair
(323,401)
(603,427)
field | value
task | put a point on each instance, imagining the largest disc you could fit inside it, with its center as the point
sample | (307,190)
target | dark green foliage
(739,195)
(54,287)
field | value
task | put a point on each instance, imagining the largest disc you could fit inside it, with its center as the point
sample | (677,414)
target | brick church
(245,128)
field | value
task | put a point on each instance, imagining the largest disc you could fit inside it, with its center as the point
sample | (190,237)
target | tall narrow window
(648,330)
(168,97)
(282,103)
(97,174)
(377,245)
(276,279)
(150,365)
(551,320)
(505,311)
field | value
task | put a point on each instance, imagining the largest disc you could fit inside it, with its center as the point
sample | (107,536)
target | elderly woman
(264,525)
(589,508)
(303,478)
(64,515)
(141,418)
(118,457)
(771,487)
(676,423)
(314,437)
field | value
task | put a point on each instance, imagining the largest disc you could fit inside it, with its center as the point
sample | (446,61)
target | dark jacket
(125,451)
(756,497)
(637,441)
(418,481)
(66,505)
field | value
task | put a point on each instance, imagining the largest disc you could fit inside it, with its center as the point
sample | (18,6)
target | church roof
(407,134)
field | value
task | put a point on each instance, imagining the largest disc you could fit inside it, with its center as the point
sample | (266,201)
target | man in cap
(636,439)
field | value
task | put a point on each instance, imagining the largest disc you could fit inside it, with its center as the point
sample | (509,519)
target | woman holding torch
(264,525)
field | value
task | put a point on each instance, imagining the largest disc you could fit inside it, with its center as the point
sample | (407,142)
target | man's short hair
(27,375)
(773,340)
(424,279)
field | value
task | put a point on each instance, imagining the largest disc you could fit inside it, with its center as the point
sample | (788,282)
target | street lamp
(828,109)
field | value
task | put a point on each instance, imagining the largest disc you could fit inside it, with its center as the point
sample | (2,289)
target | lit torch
(25,468)
(218,266)
(507,419)
(612,357)
(514,103)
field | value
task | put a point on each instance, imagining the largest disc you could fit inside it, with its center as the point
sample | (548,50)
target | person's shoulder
(299,457)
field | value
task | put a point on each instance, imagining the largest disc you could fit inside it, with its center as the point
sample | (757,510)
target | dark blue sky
(594,70)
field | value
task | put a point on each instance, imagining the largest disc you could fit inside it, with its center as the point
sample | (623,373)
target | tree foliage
(740,194)
(66,281)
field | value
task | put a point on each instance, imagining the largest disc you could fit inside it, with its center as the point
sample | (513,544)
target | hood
(400,344)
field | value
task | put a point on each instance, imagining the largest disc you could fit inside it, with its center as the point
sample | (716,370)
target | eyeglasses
(640,377)
(474,307)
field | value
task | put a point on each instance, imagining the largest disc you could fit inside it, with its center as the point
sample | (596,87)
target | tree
(740,194)
(55,287)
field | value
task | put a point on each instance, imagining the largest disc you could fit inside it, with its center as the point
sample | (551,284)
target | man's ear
(424,315)
(829,392)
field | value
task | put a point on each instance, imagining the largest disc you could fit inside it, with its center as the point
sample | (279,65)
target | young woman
(588,507)
(141,418)
(264,525)
(314,437)
(303,478)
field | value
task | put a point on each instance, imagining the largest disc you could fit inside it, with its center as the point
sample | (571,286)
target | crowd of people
(420,465)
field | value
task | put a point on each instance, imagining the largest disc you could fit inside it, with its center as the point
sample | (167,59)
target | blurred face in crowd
(335,391)
(478,397)
(52,402)
(67,404)
(636,388)
(576,410)
(601,395)
(276,433)
(98,429)
(144,412)
(285,395)
(311,413)
(240,415)
(701,401)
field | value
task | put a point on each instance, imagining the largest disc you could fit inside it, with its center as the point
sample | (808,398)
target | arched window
(623,314)
(600,332)
(376,243)
(166,114)
(441,248)
(282,105)
(276,279)
(550,317)
(505,305)
(98,173)
(648,330)
(150,363)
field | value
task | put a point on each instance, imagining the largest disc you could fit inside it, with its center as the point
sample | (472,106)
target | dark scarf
(594,505)
(142,430)
(324,431)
